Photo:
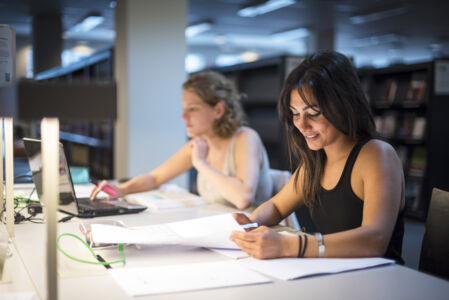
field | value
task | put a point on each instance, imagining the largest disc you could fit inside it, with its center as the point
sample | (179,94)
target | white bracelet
(321,247)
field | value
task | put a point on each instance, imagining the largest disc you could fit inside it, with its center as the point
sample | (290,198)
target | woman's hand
(200,148)
(242,219)
(262,242)
(113,191)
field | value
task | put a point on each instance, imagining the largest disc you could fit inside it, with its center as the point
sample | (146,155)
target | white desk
(79,281)
(15,276)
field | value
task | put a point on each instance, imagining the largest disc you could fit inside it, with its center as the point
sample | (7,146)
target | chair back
(280,178)
(435,246)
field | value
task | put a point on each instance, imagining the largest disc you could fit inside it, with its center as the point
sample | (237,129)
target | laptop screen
(67,199)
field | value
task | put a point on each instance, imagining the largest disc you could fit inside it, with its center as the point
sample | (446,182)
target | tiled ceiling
(416,30)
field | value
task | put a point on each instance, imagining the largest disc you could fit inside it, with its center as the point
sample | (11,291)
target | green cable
(120,248)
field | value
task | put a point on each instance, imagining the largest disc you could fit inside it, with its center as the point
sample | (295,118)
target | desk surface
(79,281)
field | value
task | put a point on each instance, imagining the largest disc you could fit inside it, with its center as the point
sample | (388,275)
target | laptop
(68,202)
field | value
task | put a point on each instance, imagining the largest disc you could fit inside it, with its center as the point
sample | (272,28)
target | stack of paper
(166,197)
(210,232)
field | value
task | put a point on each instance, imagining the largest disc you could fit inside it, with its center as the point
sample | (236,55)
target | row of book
(400,91)
(403,126)
(413,159)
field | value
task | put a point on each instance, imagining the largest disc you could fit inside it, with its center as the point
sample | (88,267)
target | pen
(250,226)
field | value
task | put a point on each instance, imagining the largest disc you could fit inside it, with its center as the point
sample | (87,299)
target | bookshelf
(261,82)
(412,115)
(87,143)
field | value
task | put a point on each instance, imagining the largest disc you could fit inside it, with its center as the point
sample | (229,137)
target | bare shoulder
(247,135)
(378,153)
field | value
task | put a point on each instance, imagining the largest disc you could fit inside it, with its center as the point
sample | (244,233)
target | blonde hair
(212,88)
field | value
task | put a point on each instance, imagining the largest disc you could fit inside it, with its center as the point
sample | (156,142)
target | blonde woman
(230,158)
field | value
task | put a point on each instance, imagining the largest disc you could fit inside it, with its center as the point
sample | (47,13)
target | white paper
(166,197)
(293,268)
(210,232)
(186,277)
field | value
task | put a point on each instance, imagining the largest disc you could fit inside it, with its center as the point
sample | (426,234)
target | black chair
(435,246)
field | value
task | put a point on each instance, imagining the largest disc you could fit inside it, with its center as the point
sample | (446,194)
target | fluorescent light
(376,16)
(88,23)
(195,29)
(194,62)
(263,8)
(379,39)
(249,56)
(291,34)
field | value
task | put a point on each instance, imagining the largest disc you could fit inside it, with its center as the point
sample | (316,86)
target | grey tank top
(264,187)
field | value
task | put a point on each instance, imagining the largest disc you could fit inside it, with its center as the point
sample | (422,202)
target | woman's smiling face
(308,119)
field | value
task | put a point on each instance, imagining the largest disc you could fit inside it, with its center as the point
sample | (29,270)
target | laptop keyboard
(86,203)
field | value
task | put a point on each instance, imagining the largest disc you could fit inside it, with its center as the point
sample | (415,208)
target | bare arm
(174,166)
(241,189)
(279,206)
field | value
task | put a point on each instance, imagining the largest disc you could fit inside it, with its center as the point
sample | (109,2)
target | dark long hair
(331,80)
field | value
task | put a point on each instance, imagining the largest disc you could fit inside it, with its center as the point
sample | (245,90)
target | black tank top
(340,209)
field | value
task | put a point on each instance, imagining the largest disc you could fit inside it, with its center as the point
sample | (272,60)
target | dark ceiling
(399,31)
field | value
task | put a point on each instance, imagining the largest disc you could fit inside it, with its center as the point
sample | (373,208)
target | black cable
(65,219)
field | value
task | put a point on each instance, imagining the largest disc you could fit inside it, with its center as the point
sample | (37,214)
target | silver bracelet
(321,247)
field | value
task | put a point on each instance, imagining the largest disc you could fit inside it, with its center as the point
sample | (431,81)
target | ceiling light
(249,56)
(379,39)
(88,23)
(195,29)
(263,8)
(221,39)
(291,34)
(376,16)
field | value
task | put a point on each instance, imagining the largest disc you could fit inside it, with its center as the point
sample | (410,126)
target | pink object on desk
(108,190)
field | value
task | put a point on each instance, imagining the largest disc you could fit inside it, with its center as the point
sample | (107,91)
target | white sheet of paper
(293,268)
(185,277)
(210,232)
(168,196)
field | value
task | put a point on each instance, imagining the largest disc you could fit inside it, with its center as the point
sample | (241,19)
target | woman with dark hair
(231,161)
(352,183)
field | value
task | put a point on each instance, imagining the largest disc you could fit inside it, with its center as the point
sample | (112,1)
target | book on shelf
(402,90)
(417,89)
(378,121)
(405,128)
(388,125)
(391,87)
(418,161)
(384,93)
(419,128)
